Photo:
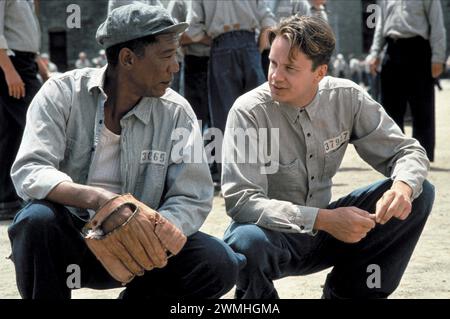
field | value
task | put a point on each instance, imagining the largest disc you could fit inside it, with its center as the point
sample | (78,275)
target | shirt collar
(293,112)
(142,109)
(97,79)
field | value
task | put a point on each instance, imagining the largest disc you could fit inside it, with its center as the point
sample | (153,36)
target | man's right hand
(347,224)
(374,63)
(16,87)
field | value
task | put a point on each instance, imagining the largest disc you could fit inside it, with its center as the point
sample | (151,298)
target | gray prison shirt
(410,18)
(284,191)
(19,27)
(220,16)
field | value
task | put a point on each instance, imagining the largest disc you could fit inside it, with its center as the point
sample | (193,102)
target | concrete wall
(53,16)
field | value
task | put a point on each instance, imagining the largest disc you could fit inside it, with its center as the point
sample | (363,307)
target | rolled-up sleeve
(35,170)
(189,189)
(378,41)
(245,187)
(265,16)
(381,143)
(438,37)
(196,19)
(3,42)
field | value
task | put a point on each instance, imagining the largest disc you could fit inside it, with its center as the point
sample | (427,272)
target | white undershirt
(104,171)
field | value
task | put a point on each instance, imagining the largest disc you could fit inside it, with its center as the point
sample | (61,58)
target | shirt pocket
(333,160)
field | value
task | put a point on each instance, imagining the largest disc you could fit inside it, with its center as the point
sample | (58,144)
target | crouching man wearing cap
(93,134)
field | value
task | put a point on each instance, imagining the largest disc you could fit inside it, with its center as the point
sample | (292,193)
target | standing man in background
(196,59)
(19,45)
(235,61)
(416,43)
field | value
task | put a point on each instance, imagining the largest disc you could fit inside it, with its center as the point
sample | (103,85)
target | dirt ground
(427,276)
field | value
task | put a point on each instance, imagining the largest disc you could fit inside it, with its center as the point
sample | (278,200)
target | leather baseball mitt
(128,238)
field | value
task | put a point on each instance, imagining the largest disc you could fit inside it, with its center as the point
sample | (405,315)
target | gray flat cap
(134,21)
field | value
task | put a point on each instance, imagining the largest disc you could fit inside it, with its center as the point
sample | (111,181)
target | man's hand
(396,202)
(374,63)
(263,41)
(42,69)
(437,69)
(347,224)
(16,87)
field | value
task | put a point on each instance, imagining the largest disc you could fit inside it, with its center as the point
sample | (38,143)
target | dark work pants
(406,79)
(196,86)
(234,69)
(12,121)
(273,255)
(265,62)
(46,240)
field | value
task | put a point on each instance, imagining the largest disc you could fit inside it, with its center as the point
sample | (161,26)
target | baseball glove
(128,237)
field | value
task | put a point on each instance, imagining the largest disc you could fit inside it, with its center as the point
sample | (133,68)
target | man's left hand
(437,69)
(396,202)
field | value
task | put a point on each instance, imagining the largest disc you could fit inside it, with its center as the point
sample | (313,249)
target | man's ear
(126,58)
(321,72)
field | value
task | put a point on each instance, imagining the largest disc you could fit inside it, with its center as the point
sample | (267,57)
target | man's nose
(174,65)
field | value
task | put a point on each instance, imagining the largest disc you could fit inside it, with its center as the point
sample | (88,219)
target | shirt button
(309,134)
(310,156)
(302,227)
(100,122)
(312,178)
(310,195)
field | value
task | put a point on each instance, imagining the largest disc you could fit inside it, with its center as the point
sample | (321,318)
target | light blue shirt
(64,122)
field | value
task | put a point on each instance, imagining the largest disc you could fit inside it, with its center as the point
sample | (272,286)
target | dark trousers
(196,86)
(12,121)
(46,240)
(273,255)
(265,62)
(234,69)
(406,79)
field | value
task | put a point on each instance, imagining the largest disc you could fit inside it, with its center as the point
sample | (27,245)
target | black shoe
(238,293)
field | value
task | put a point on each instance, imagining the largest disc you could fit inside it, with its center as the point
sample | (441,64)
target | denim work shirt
(158,138)
(308,148)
